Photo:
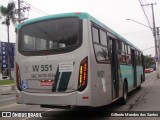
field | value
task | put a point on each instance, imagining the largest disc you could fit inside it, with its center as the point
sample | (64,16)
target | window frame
(93,25)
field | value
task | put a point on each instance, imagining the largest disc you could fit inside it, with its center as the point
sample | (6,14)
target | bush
(7,82)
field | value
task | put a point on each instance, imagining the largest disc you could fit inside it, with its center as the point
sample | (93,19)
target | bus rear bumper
(46,99)
(57,99)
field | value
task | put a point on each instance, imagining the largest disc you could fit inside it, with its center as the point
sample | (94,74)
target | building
(4,58)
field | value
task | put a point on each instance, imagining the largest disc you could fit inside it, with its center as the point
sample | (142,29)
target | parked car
(151,69)
(147,70)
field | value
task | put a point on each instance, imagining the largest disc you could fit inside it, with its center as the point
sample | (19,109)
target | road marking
(8,106)
(7,99)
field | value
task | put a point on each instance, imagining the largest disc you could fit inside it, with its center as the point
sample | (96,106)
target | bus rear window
(52,35)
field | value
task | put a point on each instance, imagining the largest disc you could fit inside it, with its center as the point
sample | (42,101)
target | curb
(7,89)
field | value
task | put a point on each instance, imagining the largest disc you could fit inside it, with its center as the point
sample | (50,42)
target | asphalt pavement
(146,99)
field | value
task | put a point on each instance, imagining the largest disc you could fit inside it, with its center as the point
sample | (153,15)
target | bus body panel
(49,99)
(34,78)
(101,85)
(54,79)
(127,73)
(100,76)
(139,74)
(33,75)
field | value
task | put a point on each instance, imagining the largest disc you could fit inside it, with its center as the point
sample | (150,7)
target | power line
(37,9)
(149,48)
(22,7)
(144,13)
(154,27)
(136,32)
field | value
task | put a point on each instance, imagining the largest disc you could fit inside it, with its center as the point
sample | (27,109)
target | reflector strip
(85,97)
(81,70)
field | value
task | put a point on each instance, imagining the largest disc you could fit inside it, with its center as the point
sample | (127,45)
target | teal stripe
(56,80)
(64,81)
(127,72)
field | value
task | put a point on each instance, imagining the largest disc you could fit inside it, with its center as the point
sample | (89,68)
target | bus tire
(139,87)
(125,94)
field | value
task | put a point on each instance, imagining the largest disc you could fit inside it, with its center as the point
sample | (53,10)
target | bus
(72,59)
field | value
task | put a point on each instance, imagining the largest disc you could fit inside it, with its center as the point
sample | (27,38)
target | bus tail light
(83,74)
(18,80)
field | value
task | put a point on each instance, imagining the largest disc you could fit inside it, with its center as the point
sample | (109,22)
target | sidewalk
(149,102)
(7,89)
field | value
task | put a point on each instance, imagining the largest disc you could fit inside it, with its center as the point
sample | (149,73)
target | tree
(8,14)
(148,61)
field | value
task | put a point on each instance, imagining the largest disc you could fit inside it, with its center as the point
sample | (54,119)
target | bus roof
(80,15)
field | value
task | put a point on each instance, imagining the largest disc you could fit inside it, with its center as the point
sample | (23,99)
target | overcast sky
(112,13)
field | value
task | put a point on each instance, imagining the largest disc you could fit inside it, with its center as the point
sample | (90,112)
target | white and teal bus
(72,59)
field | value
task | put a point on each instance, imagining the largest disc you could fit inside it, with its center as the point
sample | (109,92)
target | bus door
(133,58)
(142,57)
(114,68)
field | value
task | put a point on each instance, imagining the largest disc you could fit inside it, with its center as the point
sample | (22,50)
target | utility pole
(154,29)
(158,40)
(155,38)
(19,12)
(22,7)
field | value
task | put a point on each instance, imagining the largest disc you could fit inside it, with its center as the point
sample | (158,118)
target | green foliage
(148,61)
(8,13)
(7,82)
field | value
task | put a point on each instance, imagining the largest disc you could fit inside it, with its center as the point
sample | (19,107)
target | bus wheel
(125,94)
(139,87)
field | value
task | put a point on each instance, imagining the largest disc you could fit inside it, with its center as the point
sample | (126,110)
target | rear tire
(125,94)
(139,87)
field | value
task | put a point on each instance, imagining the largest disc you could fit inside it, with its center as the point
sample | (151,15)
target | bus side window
(95,35)
(109,45)
(142,61)
(137,57)
(103,38)
(123,53)
(128,55)
(119,49)
(126,51)
(140,58)
(109,48)
(100,45)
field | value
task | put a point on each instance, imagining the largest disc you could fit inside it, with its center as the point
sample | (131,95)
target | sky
(113,13)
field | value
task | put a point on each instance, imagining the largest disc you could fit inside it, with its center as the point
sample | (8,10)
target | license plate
(46,82)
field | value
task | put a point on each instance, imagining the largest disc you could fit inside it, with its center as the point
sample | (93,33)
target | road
(135,103)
